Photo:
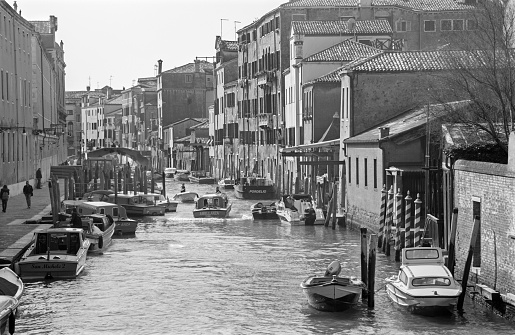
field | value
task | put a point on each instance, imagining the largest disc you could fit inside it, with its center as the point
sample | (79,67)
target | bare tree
(484,71)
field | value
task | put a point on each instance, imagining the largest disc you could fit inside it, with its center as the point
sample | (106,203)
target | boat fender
(100,242)
(12,321)
(333,269)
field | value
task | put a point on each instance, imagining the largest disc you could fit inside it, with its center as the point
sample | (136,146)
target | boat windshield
(422,253)
(431,281)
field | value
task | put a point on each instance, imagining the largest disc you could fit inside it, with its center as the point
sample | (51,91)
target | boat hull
(143,210)
(293,218)
(251,192)
(169,206)
(185,197)
(212,212)
(38,267)
(262,212)
(126,227)
(443,302)
(180,176)
(332,295)
(95,245)
(202,180)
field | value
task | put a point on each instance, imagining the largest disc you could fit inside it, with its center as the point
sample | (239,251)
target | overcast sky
(117,41)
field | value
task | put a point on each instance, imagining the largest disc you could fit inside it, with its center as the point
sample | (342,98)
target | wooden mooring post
(452,241)
(382,217)
(389,219)
(371,270)
(468,263)
(335,203)
(364,267)
(398,225)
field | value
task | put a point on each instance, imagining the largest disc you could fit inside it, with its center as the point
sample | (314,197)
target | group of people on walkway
(28,191)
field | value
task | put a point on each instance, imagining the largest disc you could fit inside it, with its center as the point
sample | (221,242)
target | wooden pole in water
(329,211)
(382,216)
(389,220)
(398,225)
(335,202)
(452,241)
(364,267)
(164,184)
(371,270)
(418,221)
(468,263)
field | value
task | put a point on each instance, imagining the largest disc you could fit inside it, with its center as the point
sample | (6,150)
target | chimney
(53,23)
(384,132)
(160,66)
(351,23)
(511,152)
(197,65)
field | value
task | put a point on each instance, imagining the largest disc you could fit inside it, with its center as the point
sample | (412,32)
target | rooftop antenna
(110,79)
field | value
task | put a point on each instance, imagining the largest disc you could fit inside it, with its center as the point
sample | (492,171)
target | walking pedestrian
(183,188)
(38,177)
(4,195)
(28,191)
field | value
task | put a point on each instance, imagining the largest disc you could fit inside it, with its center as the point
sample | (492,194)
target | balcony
(265,120)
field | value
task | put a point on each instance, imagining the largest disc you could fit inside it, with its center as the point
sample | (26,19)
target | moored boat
(299,209)
(54,253)
(201,178)
(160,200)
(182,175)
(169,172)
(331,292)
(264,212)
(11,290)
(255,188)
(185,196)
(99,231)
(214,205)
(424,284)
(226,183)
(137,205)
(123,225)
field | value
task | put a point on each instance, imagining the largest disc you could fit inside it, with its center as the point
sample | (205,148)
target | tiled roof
(345,51)
(42,27)
(418,5)
(117,100)
(80,94)
(465,135)
(229,45)
(190,67)
(341,27)
(405,61)
(331,77)
(407,121)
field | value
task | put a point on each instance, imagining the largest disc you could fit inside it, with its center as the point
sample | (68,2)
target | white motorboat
(55,253)
(169,172)
(182,175)
(214,205)
(226,183)
(331,292)
(137,204)
(185,196)
(123,225)
(299,209)
(11,290)
(424,284)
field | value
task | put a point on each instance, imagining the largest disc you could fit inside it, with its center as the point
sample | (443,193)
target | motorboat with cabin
(98,229)
(182,175)
(11,290)
(226,183)
(332,292)
(299,209)
(54,253)
(261,211)
(137,204)
(123,225)
(169,172)
(424,284)
(255,188)
(215,205)
(200,177)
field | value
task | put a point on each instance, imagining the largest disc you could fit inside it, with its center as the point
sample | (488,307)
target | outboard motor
(333,269)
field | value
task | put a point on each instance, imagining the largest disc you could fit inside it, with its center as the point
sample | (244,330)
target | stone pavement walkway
(15,234)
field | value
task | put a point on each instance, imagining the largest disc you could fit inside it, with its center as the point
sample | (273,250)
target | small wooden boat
(331,292)
(54,253)
(264,212)
(169,172)
(214,205)
(185,196)
(200,177)
(137,205)
(11,290)
(226,183)
(255,188)
(182,175)
(424,284)
(299,209)
(123,225)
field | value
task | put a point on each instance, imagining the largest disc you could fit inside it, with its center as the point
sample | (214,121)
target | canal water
(181,275)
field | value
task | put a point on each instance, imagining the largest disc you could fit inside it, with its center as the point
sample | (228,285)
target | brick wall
(494,187)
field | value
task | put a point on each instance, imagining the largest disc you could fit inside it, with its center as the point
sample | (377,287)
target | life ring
(100,242)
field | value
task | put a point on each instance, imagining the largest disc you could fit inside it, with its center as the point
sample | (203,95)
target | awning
(324,144)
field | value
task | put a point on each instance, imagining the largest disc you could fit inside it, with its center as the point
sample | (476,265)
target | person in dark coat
(27,191)
(183,188)
(4,196)
(39,175)
(76,221)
